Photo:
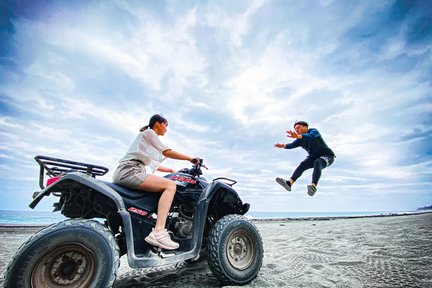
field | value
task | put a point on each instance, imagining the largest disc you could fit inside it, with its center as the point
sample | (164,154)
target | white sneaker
(162,240)
(284,183)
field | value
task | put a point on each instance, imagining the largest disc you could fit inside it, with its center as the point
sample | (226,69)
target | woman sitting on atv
(147,151)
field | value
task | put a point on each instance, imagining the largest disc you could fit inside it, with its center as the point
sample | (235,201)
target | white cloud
(235,25)
(231,82)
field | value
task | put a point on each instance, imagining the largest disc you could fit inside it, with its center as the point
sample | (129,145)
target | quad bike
(107,221)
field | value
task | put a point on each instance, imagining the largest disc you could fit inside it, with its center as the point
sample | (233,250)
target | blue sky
(79,78)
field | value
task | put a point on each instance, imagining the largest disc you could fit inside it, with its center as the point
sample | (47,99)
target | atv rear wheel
(72,253)
(235,250)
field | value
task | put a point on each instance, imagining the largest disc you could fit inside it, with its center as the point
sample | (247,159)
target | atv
(106,221)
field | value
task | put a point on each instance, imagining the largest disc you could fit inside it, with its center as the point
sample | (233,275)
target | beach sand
(391,251)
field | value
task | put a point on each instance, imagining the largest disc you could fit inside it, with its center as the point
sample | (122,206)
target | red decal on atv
(52,180)
(137,211)
(183,179)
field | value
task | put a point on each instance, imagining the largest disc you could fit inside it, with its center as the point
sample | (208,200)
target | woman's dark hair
(153,120)
(303,123)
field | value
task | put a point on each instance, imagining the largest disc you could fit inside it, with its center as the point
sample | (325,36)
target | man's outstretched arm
(294,144)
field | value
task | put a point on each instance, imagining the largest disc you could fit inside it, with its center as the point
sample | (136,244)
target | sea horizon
(13,217)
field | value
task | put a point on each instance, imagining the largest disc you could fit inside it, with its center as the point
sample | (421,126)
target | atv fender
(99,187)
(85,180)
(221,199)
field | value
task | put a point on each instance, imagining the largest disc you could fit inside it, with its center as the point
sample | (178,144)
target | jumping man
(319,156)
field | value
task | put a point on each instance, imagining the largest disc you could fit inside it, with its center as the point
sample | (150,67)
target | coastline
(274,219)
(324,218)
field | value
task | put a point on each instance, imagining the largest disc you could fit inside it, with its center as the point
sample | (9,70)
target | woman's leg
(168,188)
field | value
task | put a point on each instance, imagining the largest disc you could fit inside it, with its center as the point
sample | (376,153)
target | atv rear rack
(55,167)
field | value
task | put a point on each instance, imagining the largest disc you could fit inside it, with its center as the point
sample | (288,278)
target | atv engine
(183,228)
(184,223)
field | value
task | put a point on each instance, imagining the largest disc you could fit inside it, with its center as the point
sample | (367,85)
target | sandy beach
(394,251)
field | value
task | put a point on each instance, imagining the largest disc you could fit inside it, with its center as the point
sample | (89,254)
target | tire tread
(214,261)
(87,223)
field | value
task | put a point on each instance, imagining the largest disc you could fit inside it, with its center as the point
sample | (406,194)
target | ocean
(29,217)
(45,217)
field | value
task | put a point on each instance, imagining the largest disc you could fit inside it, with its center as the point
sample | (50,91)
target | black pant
(317,163)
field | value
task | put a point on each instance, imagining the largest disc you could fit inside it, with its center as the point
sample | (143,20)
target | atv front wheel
(72,253)
(235,250)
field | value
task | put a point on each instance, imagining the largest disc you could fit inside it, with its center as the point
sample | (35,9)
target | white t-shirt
(148,149)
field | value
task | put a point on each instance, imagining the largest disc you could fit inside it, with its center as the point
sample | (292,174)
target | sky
(78,79)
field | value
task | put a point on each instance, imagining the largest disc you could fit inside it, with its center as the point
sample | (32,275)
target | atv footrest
(163,253)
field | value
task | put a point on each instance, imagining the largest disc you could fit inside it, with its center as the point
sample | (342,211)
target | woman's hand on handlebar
(195,160)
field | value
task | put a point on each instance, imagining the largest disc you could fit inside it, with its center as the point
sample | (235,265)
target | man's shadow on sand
(180,275)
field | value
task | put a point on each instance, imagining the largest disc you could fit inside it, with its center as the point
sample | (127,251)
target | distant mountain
(425,208)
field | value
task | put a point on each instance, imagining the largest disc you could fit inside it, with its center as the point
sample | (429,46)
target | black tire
(72,253)
(235,250)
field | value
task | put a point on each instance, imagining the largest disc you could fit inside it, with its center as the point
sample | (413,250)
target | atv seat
(126,192)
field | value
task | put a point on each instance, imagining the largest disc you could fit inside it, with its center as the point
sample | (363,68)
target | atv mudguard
(84,180)
(222,200)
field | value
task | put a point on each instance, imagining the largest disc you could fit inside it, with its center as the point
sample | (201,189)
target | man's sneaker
(162,240)
(284,183)
(311,190)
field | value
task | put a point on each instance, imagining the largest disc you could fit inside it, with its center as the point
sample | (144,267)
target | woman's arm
(165,169)
(169,153)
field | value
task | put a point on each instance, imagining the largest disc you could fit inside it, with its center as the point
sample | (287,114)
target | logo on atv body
(137,211)
(183,179)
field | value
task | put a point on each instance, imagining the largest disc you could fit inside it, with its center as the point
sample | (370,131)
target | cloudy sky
(79,78)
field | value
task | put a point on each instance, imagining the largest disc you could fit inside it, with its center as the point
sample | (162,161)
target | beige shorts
(130,174)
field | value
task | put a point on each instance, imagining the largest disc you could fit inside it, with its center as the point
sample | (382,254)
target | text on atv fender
(183,179)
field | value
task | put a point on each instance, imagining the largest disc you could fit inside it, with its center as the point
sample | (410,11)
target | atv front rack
(55,167)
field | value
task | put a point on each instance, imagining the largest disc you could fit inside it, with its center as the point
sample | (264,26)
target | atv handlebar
(196,168)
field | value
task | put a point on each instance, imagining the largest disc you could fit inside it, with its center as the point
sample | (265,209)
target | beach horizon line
(272,219)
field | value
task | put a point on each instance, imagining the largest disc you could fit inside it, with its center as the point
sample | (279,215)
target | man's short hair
(303,123)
